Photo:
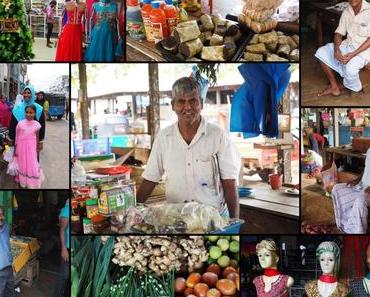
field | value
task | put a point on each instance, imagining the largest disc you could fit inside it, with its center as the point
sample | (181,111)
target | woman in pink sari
(5,113)
(30,174)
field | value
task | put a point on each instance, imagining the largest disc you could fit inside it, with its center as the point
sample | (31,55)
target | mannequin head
(267,253)
(328,254)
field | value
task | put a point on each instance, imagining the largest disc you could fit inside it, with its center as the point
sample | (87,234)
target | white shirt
(188,168)
(356,27)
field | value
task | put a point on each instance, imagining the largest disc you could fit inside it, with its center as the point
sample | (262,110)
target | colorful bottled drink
(145,13)
(135,24)
(171,15)
(158,22)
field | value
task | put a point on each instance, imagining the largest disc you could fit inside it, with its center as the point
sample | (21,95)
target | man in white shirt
(347,57)
(198,158)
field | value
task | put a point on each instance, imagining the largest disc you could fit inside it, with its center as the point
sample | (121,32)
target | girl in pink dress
(30,174)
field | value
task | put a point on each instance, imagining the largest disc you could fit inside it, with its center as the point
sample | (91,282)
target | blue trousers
(62,280)
(7,282)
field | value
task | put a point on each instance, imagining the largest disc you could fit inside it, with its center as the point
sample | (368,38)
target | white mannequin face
(327,262)
(267,258)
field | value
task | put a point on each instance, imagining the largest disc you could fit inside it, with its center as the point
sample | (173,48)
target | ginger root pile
(160,254)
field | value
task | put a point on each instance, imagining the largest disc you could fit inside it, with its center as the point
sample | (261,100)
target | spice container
(88,226)
(75,208)
(92,208)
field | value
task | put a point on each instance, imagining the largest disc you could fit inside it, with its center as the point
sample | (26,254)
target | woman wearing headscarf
(351,202)
(19,114)
(5,113)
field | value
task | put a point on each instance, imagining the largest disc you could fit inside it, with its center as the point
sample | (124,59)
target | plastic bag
(78,174)
(13,167)
(329,177)
(193,216)
(316,157)
(8,153)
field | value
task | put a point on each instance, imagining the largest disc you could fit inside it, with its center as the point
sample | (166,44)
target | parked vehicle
(57,103)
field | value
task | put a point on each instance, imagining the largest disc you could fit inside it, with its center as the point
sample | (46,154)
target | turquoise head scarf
(19,110)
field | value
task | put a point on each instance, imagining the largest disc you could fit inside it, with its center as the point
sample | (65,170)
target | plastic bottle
(145,13)
(158,22)
(135,24)
(171,16)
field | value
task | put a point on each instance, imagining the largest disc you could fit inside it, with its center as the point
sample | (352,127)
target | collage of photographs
(184,148)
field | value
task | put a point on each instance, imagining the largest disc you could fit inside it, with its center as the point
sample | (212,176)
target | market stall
(212,32)
(34,239)
(155,266)
(109,165)
(335,146)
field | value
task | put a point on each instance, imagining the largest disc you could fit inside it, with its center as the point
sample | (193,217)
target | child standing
(50,19)
(27,146)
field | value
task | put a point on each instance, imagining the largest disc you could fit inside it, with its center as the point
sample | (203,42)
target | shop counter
(269,211)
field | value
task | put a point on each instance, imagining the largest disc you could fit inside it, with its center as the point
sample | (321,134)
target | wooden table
(332,152)
(142,50)
(269,211)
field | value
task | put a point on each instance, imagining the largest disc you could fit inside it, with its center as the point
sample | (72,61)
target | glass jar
(92,208)
(76,224)
(100,223)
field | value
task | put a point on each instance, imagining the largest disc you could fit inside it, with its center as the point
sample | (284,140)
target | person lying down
(351,201)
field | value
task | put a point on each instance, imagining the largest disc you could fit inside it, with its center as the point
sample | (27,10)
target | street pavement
(41,51)
(54,158)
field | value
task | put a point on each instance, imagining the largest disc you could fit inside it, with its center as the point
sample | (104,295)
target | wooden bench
(365,78)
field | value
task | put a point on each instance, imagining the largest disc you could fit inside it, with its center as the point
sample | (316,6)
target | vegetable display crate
(32,273)
(233,228)
(33,243)
(20,275)
(21,260)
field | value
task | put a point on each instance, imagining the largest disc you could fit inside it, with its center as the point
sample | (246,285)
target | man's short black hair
(53,2)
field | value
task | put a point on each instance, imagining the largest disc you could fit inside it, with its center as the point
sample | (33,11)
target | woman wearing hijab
(19,114)
(351,202)
(5,113)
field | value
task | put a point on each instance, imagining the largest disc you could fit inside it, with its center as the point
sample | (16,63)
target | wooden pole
(154,110)
(84,110)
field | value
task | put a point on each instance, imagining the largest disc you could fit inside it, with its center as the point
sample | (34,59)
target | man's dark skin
(188,108)
(335,87)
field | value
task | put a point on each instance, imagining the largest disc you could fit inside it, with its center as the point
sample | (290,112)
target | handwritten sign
(9,26)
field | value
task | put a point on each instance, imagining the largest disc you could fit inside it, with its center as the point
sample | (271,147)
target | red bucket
(276,181)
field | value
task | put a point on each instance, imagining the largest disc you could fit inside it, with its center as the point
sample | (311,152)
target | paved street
(41,51)
(54,158)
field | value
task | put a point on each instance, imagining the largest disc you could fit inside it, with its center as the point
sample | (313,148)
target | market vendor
(347,57)
(199,160)
(6,259)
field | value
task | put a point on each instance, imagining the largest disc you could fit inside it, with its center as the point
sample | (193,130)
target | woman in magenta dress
(30,174)
(70,38)
(5,113)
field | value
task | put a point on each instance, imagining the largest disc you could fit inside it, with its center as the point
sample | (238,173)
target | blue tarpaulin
(254,108)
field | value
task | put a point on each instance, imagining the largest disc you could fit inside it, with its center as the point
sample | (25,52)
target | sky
(42,75)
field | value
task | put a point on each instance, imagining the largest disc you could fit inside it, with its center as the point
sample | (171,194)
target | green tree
(15,46)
